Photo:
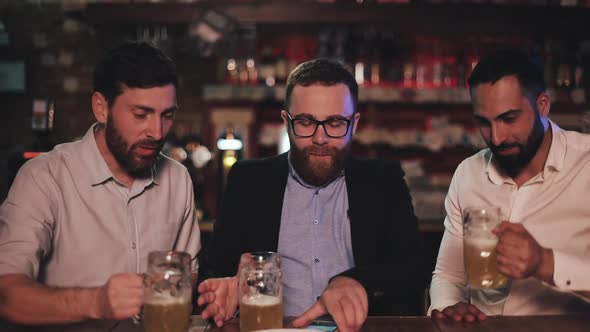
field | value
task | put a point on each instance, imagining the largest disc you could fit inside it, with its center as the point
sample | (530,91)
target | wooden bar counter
(565,323)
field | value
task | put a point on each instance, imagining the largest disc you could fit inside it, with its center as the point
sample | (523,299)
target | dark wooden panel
(462,19)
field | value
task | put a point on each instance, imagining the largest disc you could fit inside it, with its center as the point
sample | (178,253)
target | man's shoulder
(170,165)
(478,160)
(47,169)
(260,164)
(576,141)
(54,158)
(372,166)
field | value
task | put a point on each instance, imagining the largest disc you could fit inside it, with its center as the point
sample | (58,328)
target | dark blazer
(385,240)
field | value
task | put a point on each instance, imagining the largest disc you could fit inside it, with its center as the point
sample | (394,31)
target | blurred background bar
(410,57)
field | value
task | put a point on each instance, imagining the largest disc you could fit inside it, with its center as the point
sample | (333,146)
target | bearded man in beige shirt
(79,221)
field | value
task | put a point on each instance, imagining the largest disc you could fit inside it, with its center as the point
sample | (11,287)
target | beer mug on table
(479,247)
(167,292)
(260,291)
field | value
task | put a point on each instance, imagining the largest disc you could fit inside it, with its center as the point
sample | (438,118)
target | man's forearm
(547,267)
(24,301)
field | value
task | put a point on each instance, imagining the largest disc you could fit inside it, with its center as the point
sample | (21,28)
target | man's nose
(320,137)
(498,134)
(155,128)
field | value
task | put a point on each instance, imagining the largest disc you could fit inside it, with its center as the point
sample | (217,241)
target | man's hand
(345,299)
(520,256)
(121,297)
(221,297)
(460,312)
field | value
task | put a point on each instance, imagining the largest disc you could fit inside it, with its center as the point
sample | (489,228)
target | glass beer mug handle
(137,318)
(147,280)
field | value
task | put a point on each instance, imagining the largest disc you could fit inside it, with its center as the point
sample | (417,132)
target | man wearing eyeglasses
(345,228)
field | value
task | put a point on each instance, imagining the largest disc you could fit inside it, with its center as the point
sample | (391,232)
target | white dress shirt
(554,207)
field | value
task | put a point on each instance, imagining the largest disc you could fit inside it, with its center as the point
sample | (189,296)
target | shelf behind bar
(366,94)
(377,94)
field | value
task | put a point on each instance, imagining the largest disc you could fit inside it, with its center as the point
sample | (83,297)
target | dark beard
(321,173)
(514,164)
(137,166)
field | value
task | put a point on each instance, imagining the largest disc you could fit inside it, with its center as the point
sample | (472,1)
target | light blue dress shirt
(314,240)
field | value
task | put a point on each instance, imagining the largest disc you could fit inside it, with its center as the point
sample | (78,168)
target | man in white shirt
(539,175)
(80,220)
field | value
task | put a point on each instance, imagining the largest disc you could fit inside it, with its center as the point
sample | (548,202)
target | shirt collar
(96,165)
(293,174)
(554,162)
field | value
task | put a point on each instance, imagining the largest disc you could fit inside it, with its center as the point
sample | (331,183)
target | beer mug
(260,291)
(479,247)
(167,292)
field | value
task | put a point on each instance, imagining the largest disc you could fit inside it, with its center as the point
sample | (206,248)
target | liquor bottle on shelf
(579,71)
(390,48)
(281,67)
(361,58)
(267,67)
(252,70)
(548,65)
(374,66)
(232,76)
(564,78)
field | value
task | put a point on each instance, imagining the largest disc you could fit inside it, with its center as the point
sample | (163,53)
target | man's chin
(511,166)
(323,161)
(317,179)
(142,166)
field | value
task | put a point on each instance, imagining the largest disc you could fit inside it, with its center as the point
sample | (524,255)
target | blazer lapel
(278,173)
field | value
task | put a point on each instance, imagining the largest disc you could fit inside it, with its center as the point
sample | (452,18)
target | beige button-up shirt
(553,206)
(68,222)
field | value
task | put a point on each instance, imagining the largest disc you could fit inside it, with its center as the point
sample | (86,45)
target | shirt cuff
(571,272)
(444,293)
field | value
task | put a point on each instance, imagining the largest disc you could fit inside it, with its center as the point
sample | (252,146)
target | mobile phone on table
(324,323)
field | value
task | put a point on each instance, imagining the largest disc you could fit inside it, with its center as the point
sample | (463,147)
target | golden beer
(261,312)
(167,292)
(479,247)
(167,315)
(480,262)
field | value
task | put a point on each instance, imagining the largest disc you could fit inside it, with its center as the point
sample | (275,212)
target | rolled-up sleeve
(26,222)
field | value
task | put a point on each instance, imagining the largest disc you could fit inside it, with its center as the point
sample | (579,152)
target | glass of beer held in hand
(167,292)
(260,292)
(479,247)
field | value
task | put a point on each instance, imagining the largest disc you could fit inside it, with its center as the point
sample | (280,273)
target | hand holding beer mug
(260,292)
(168,290)
(479,247)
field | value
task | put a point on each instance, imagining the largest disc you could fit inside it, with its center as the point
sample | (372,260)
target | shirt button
(133,245)
(316,260)
(315,222)
(569,282)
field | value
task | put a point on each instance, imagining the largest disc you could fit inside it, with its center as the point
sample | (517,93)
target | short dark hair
(135,65)
(504,62)
(322,71)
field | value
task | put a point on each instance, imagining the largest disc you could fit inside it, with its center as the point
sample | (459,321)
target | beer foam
(261,300)
(165,299)
(481,242)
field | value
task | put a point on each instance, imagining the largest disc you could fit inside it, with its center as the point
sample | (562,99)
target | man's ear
(100,107)
(355,121)
(285,119)
(544,104)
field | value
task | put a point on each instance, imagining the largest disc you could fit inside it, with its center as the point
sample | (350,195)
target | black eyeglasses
(306,127)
